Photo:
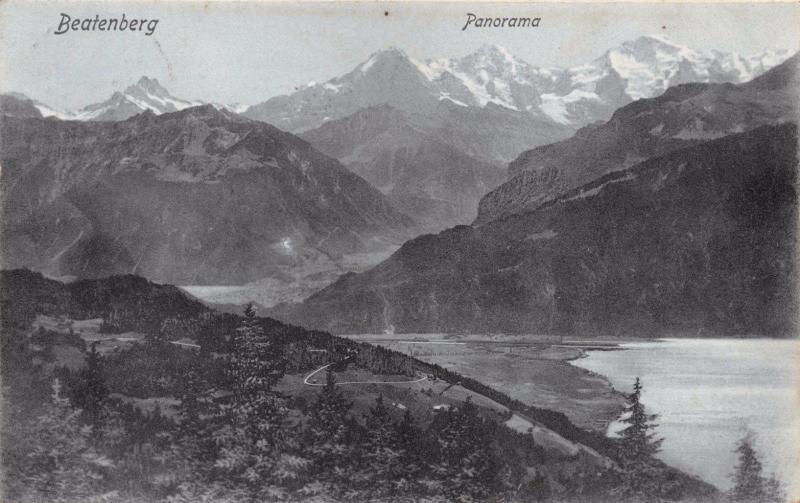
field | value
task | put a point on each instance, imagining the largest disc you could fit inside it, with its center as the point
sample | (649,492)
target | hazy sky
(247,52)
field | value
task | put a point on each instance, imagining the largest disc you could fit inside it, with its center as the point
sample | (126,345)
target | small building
(441,408)
(399,405)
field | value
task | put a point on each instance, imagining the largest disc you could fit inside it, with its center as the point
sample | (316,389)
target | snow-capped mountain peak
(149,85)
(497,61)
(650,42)
(496,54)
(390,55)
(491,75)
(651,63)
(147,94)
(236,108)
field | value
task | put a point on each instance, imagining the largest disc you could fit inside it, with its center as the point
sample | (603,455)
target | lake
(707,392)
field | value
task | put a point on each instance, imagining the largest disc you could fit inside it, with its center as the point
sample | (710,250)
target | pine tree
(90,393)
(638,442)
(200,414)
(464,465)
(380,453)
(256,364)
(407,431)
(750,486)
(51,458)
(251,453)
(328,441)
(237,436)
(408,441)
(642,480)
(380,428)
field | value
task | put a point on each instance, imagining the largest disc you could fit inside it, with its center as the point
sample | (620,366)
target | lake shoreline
(721,387)
(607,419)
(536,372)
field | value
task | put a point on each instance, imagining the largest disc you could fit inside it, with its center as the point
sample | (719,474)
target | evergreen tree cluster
(233,437)
(242,445)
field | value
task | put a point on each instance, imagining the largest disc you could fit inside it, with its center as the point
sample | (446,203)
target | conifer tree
(255,365)
(251,453)
(408,434)
(380,452)
(750,485)
(408,441)
(51,458)
(329,440)
(240,443)
(200,414)
(91,392)
(642,480)
(638,442)
(465,463)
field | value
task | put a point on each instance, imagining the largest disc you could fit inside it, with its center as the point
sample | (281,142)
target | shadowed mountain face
(18,105)
(425,178)
(193,197)
(683,116)
(700,240)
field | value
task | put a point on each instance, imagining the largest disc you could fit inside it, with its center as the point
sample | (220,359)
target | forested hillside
(171,401)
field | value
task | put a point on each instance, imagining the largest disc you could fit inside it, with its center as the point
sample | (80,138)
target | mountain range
(683,116)
(640,68)
(695,236)
(575,96)
(200,196)
(699,241)
(432,137)
(147,94)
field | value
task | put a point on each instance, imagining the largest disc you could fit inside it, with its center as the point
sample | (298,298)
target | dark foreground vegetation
(155,421)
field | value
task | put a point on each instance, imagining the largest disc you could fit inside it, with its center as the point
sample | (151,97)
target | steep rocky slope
(199,196)
(433,182)
(18,105)
(697,241)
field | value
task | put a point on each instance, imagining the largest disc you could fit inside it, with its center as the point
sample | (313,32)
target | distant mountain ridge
(573,97)
(699,241)
(683,116)
(147,94)
(19,105)
(677,216)
(640,68)
(407,159)
(200,196)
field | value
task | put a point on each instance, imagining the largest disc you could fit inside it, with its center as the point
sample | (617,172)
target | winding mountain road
(309,376)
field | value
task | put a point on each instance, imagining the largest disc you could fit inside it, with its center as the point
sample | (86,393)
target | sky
(244,52)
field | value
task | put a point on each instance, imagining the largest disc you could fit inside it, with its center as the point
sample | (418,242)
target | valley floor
(537,373)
